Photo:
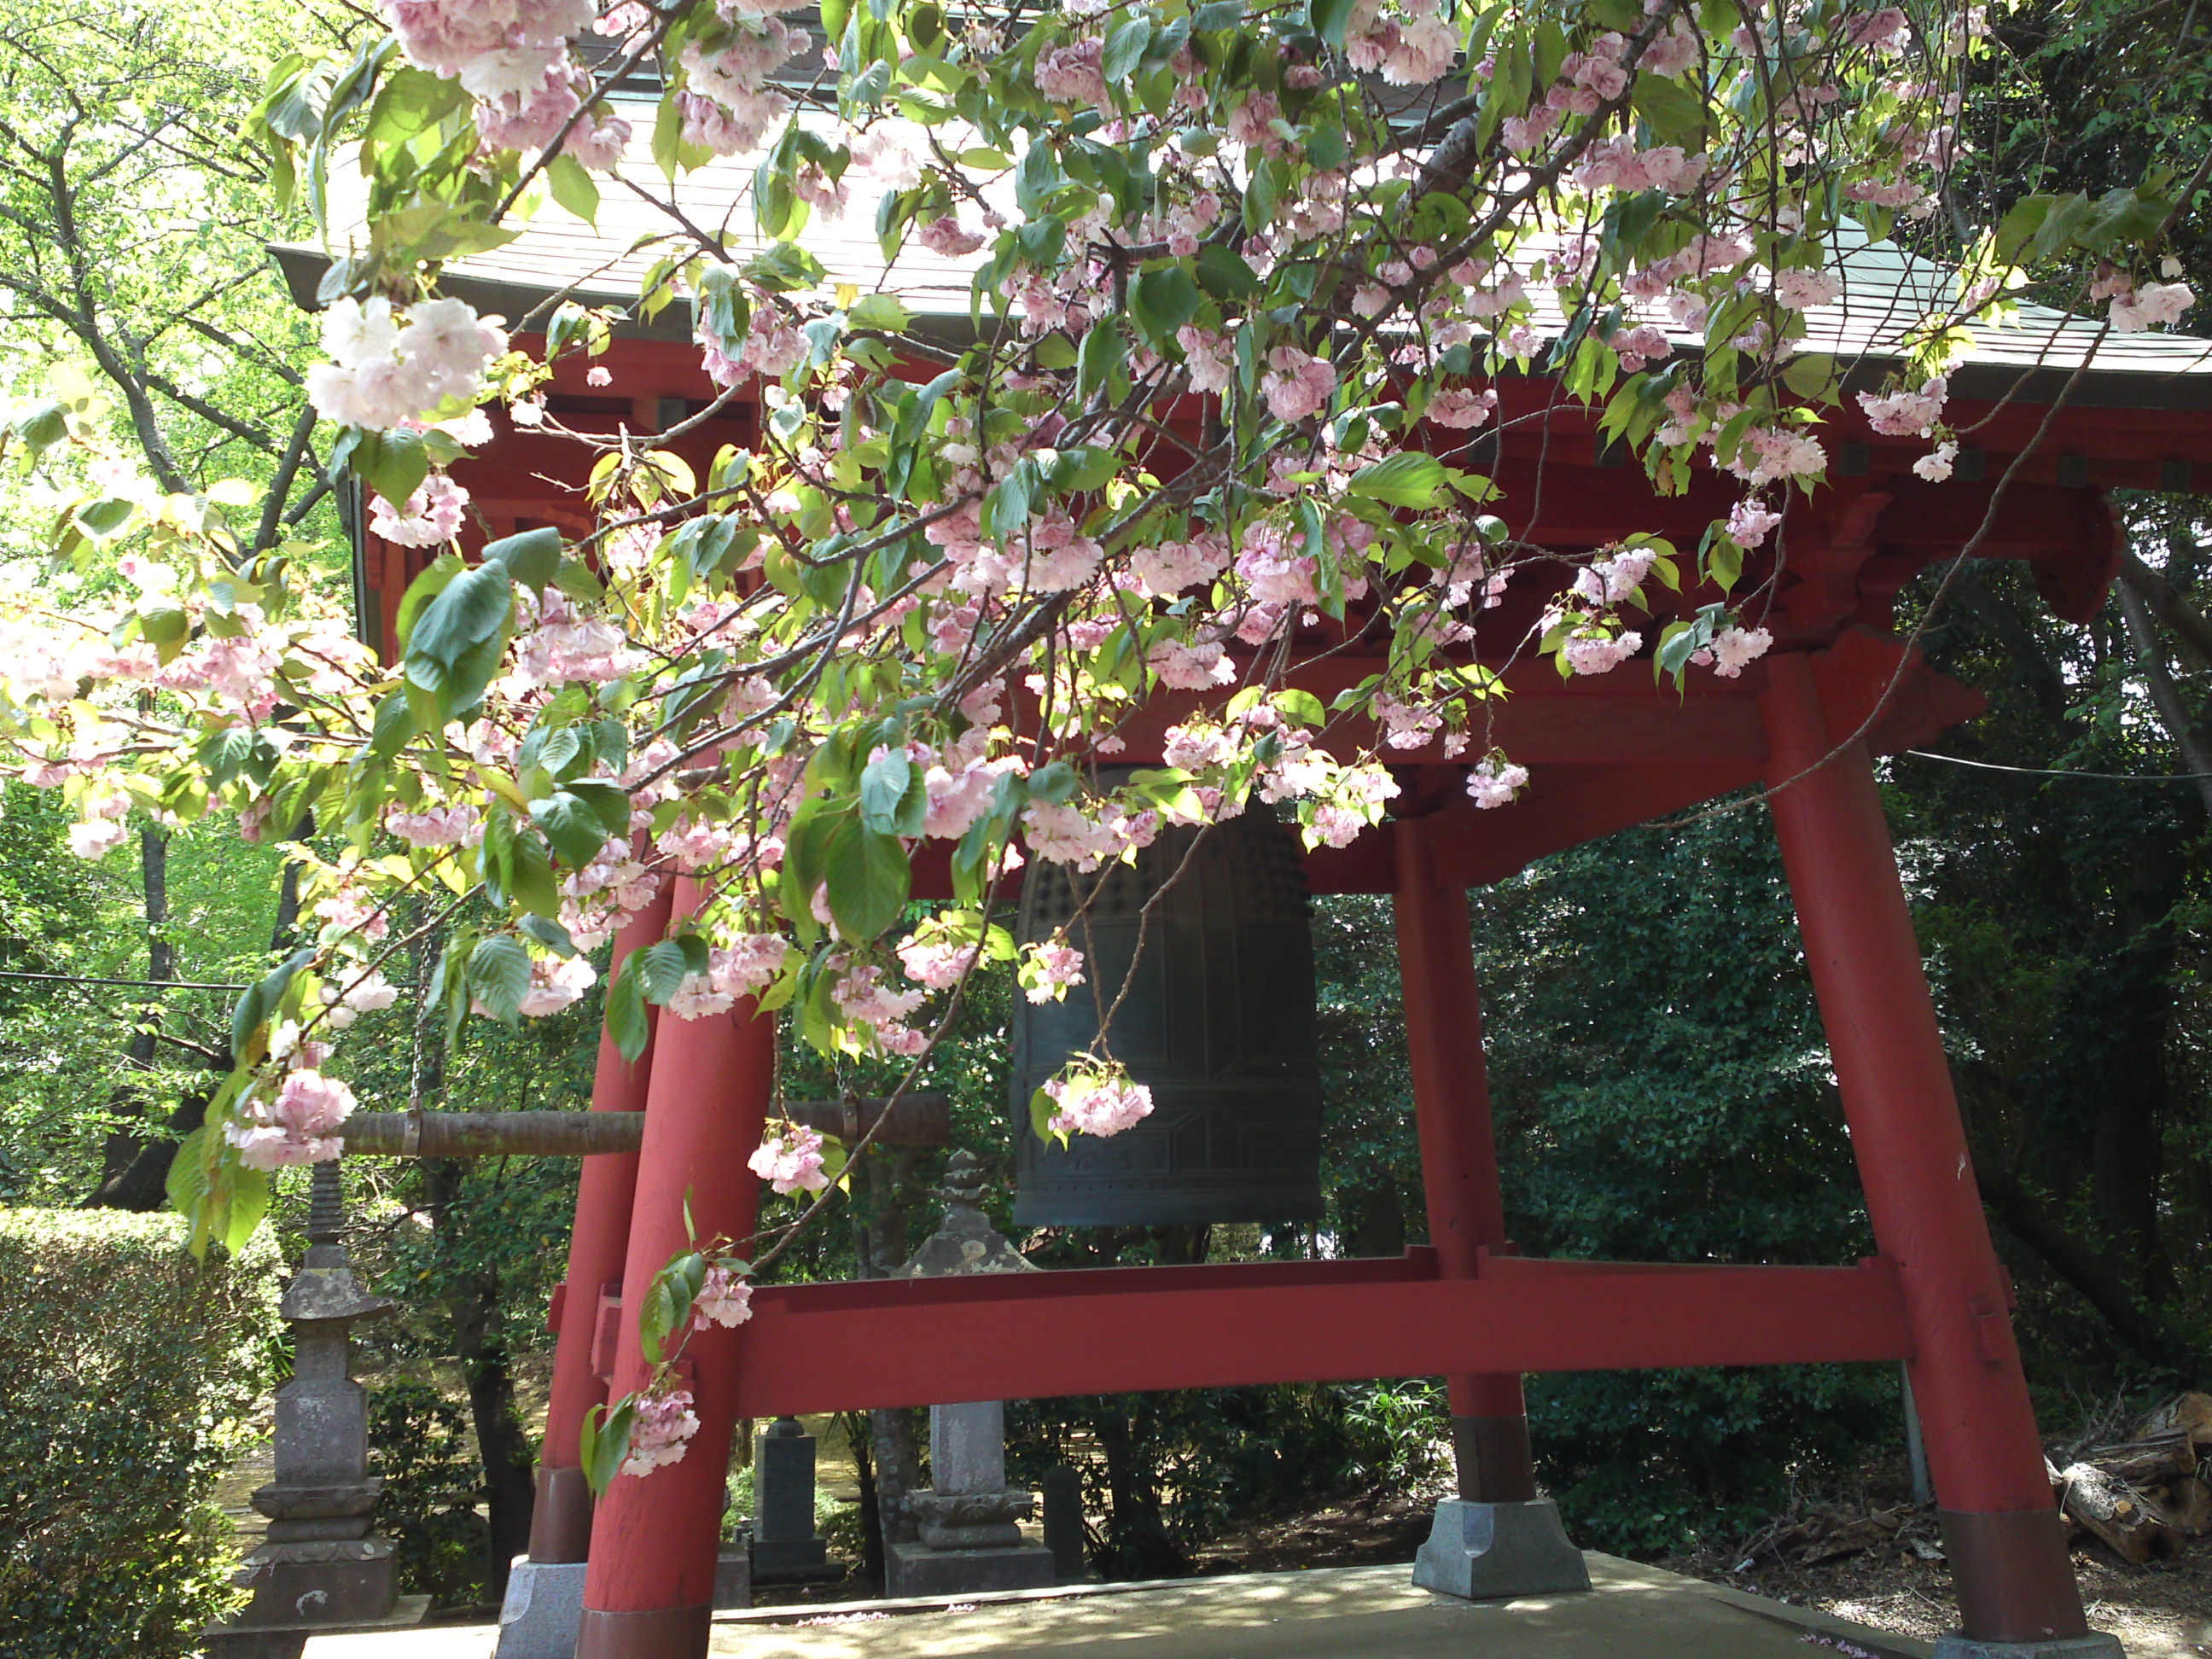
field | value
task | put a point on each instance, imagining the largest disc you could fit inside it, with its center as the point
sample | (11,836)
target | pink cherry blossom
(660,1433)
(1905,414)
(1051,968)
(1494,781)
(790,1160)
(1600,655)
(1296,384)
(725,1299)
(1735,647)
(1096,1105)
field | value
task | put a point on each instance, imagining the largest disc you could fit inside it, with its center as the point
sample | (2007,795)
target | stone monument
(785,1548)
(1061,1490)
(969,1537)
(319,1568)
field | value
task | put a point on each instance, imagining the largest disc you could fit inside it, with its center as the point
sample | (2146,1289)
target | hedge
(130,1376)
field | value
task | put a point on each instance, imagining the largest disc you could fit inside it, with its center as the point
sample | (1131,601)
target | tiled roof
(1887,288)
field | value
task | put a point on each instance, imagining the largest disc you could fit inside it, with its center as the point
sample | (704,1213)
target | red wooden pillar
(2001,1529)
(1458,1156)
(649,1588)
(561,1523)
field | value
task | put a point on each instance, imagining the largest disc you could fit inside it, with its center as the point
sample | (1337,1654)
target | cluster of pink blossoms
(1734,649)
(387,372)
(1296,384)
(2154,305)
(1494,781)
(1906,413)
(746,967)
(298,1125)
(1050,969)
(431,517)
(1097,1104)
(1410,50)
(725,1299)
(789,1159)
(660,1431)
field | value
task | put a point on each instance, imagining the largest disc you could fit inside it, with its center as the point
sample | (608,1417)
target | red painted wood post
(2001,1527)
(650,1589)
(561,1522)
(1459,1155)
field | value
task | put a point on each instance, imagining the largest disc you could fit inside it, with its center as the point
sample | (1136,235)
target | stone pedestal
(918,1570)
(2095,1646)
(785,1548)
(545,1604)
(1489,1551)
(290,1641)
(733,1579)
(1061,1491)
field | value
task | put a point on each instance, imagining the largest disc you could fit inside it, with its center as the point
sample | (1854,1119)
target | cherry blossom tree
(925,606)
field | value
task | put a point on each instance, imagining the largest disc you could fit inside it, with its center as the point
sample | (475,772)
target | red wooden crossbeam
(919,1342)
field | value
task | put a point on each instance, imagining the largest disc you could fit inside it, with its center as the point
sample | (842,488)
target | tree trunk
(1136,1529)
(127,1143)
(2191,735)
(505,1452)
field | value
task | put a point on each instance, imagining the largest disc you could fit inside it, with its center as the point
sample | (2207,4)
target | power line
(2049,772)
(146,984)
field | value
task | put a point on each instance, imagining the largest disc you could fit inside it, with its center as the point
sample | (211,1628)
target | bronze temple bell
(1220,1022)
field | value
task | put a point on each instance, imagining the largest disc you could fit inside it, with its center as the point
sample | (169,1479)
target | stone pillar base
(791,1561)
(289,1641)
(2095,1646)
(733,1580)
(647,1633)
(545,1604)
(1488,1552)
(912,1570)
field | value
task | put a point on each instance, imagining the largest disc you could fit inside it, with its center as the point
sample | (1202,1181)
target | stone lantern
(970,1539)
(319,1567)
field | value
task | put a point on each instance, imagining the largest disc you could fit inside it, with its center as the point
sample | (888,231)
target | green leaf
(249,1202)
(1259,195)
(1222,273)
(604,1444)
(394,464)
(42,426)
(573,824)
(884,787)
(1054,783)
(1162,301)
(104,517)
(884,312)
(259,1003)
(868,877)
(499,976)
(1102,353)
(1406,479)
(1125,49)
(1330,18)
(455,646)
(626,1017)
(533,558)
(551,934)
(1041,1113)
(573,187)
(663,966)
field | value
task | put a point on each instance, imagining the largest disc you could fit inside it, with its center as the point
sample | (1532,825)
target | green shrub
(421,1446)
(130,1377)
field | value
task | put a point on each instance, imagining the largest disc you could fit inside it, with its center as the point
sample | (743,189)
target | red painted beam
(847,1348)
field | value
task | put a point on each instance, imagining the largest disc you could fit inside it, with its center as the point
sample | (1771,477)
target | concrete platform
(1631,1611)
